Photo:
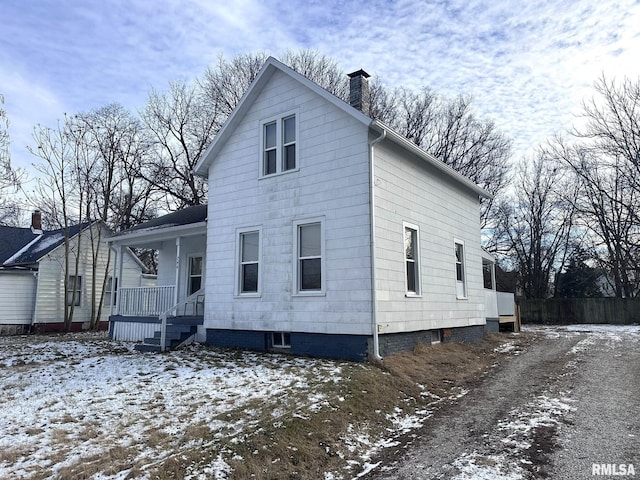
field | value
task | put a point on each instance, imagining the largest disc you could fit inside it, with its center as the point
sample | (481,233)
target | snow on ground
(80,398)
(517,429)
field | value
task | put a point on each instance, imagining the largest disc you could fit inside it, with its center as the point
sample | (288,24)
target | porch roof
(186,222)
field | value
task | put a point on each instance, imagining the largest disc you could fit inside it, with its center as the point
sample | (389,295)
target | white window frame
(188,275)
(461,285)
(282,343)
(492,273)
(279,148)
(111,291)
(238,275)
(70,290)
(416,261)
(297,291)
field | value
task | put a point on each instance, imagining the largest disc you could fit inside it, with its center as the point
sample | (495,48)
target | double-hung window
(411,259)
(309,270)
(461,281)
(279,145)
(249,271)
(74,290)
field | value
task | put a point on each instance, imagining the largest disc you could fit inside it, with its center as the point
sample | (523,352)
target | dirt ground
(567,400)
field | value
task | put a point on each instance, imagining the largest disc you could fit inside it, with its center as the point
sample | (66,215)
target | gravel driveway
(569,400)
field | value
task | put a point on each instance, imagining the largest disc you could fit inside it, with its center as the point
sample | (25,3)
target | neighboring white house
(327,233)
(32,274)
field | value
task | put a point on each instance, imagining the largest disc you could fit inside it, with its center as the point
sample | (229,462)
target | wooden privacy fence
(556,311)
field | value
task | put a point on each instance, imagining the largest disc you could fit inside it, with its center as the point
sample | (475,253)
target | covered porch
(175,306)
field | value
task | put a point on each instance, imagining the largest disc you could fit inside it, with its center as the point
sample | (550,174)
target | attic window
(279,144)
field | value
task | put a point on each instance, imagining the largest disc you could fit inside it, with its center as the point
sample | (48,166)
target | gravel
(569,399)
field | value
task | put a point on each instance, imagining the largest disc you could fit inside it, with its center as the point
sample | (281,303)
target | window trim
(188,275)
(492,274)
(417,262)
(280,145)
(463,262)
(78,289)
(297,292)
(110,291)
(238,270)
(282,345)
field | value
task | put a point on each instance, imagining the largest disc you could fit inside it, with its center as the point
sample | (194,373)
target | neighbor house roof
(13,239)
(21,247)
(269,68)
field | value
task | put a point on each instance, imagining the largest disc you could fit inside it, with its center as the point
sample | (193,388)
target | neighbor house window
(249,261)
(74,289)
(309,258)
(279,144)
(461,282)
(411,259)
(281,339)
(111,291)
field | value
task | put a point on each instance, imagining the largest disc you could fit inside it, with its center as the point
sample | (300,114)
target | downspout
(372,223)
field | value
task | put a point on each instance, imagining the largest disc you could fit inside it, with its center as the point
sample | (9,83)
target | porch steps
(179,329)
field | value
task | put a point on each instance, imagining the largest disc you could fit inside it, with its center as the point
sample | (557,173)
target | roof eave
(158,233)
(430,159)
(269,68)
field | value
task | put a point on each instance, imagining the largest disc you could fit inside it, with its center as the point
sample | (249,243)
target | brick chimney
(36,222)
(359,96)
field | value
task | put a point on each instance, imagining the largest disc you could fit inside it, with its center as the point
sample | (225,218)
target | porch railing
(194,299)
(146,301)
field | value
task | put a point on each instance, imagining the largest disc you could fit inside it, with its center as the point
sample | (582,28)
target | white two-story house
(329,234)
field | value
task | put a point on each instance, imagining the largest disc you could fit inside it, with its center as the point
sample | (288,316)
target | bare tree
(538,222)
(449,130)
(181,125)
(608,208)
(62,194)
(604,154)
(10,178)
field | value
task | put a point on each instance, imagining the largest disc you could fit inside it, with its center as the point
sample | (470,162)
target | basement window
(281,340)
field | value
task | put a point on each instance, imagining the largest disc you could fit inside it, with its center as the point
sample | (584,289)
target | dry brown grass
(282,438)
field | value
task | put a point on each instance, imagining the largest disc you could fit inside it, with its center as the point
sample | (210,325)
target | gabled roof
(28,248)
(264,75)
(13,239)
(269,68)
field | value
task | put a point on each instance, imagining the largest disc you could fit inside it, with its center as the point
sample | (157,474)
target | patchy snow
(64,402)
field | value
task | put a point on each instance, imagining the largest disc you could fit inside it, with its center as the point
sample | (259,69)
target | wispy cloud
(527,64)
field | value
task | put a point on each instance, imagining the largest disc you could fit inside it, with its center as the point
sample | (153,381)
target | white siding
(133,331)
(408,190)
(16,297)
(189,246)
(331,182)
(50,301)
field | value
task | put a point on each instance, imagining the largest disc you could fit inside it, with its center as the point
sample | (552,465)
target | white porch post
(176,291)
(117,280)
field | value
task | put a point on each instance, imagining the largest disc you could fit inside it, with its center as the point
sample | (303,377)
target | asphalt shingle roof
(186,216)
(16,250)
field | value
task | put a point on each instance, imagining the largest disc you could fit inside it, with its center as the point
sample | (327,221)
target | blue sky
(528,65)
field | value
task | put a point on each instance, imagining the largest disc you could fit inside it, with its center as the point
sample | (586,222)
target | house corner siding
(493,325)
